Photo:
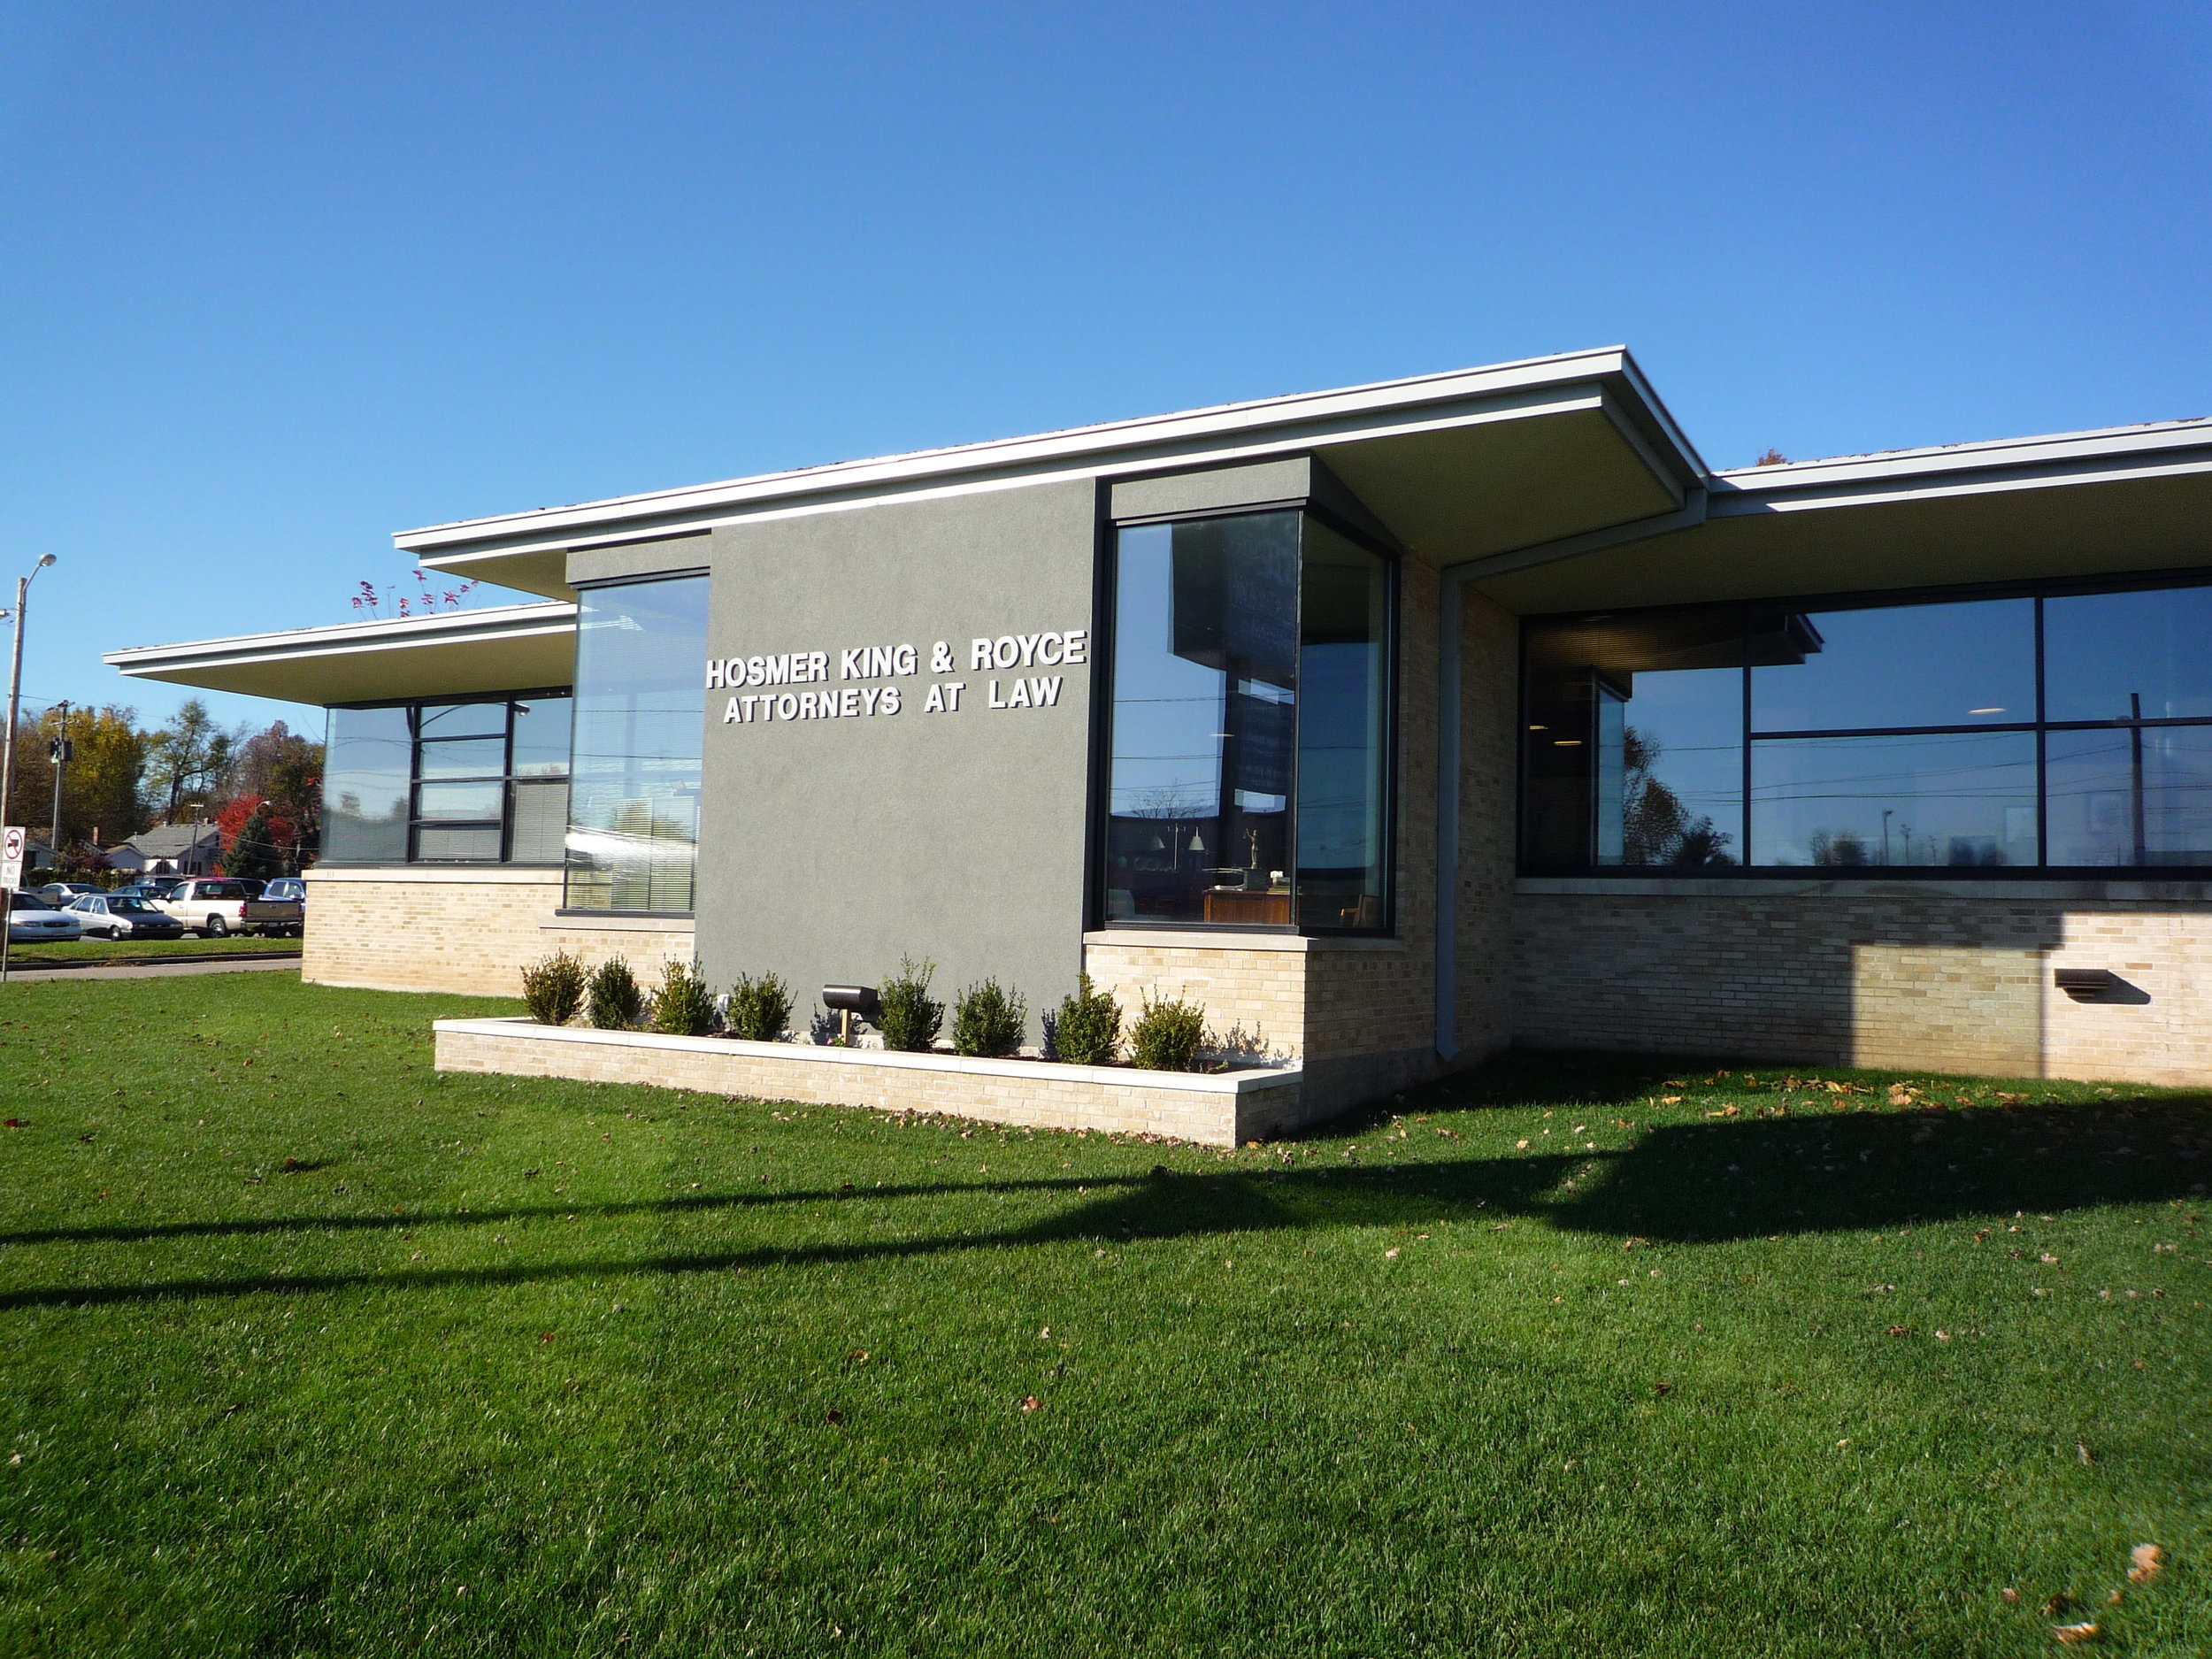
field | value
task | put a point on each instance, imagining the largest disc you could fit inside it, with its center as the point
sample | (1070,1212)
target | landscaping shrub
(758,1008)
(989,1019)
(614,1001)
(683,1007)
(553,988)
(1087,1030)
(1166,1035)
(909,1019)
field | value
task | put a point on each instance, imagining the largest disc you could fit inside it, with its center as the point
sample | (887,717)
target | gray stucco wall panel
(831,848)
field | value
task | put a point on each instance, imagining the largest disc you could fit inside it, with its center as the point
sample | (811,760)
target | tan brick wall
(1041,1096)
(1953,977)
(433,928)
(1489,783)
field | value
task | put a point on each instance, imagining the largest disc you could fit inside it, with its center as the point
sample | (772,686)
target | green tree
(189,762)
(254,852)
(102,785)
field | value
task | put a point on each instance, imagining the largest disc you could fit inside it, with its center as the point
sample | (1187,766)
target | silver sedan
(33,921)
(115,916)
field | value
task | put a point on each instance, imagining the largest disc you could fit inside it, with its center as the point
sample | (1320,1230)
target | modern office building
(1394,725)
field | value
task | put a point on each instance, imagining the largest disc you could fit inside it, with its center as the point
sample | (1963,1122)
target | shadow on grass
(1690,1183)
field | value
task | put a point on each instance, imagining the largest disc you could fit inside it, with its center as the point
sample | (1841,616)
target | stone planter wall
(1216,1108)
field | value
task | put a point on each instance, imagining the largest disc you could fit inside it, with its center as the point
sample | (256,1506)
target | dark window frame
(506,779)
(2040,590)
(1106,644)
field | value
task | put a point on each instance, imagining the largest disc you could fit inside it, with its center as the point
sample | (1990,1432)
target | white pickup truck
(213,906)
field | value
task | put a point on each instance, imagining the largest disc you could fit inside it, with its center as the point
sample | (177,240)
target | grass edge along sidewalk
(303,1345)
(123,953)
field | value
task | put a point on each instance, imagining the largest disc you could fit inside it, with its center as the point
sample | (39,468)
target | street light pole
(7,745)
(61,761)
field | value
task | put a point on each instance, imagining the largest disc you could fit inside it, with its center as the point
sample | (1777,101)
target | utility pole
(7,745)
(59,752)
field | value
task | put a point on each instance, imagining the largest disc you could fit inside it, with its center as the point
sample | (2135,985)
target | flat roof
(1455,463)
(449,653)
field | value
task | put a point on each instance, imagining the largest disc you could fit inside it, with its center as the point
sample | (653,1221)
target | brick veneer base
(1921,977)
(470,930)
(1212,1109)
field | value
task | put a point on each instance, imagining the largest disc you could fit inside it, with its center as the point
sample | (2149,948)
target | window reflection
(1343,731)
(2134,795)
(1252,661)
(2140,656)
(446,782)
(640,722)
(1971,663)
(1635,740)
(365,780)
(1959,799)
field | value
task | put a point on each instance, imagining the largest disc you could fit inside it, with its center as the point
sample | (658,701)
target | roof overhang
(1458,465)
(2086,504)
(513,648)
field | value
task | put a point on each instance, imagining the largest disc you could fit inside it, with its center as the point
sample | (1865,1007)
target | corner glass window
(443,783)
(641,721)
(1250,751)
(366,775)
(2129,656)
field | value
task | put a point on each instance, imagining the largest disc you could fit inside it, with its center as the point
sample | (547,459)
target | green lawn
(123,952)
(304,1349)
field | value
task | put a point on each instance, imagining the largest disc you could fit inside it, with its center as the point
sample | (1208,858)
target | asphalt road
(157,970)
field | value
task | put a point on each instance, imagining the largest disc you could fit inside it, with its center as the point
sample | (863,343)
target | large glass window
(1251,754)
(368,768)
(447,783)
(641,721)
(2036,730)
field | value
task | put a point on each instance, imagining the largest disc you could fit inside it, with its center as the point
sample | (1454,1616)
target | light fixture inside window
(1984,712)
(1566,742)
(1539,729)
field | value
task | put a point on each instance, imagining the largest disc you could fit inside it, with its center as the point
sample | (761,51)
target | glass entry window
(1251,726)
(477,782)
(641,722)
(2037,730)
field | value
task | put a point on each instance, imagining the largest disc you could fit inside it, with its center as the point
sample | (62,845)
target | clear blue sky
(279,280)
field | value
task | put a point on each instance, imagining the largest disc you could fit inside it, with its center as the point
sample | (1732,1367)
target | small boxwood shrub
(613,1000)
(1087,1030)
(553,988)
(683,1006)
(1167,1034)
(758,1008)
(989,1019)
(909,1019)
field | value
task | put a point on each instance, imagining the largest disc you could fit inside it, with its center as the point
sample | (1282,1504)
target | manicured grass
(306,1349)
(124,951)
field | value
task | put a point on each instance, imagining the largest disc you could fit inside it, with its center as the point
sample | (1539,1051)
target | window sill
(1238,939)
(1944,886)
(621,922)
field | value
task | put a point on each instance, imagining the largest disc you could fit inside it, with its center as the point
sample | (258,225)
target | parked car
(161,887)
(214,906)
(145,890)
(120,915)
(281,909)
(60,894)
(33,921)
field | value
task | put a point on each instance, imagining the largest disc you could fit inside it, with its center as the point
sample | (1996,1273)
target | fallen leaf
(2115,1597)
(858,1356)
(2084,1632)
(1029,1402)
(545,1336)
(1670,1100)
(833,1416)
(2011,1596)
(2082,1452)
(1663,1388)
(1898,1330)
(2054,1605)
(2149,1560)
(1391,1255)
(1519,1145)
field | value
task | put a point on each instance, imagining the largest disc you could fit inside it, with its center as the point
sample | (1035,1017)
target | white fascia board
(2167,450)
(451,627)
(1608,378)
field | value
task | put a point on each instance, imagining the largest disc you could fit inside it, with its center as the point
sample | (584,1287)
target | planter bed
(1215,1109)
